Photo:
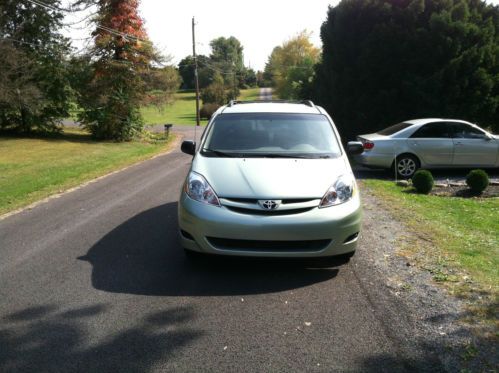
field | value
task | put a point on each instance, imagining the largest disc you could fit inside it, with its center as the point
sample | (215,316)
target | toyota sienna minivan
(270,179)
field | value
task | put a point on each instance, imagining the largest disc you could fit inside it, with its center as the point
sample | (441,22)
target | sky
(260,25)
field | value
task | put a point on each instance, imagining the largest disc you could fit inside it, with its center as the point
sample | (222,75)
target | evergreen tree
(385,61)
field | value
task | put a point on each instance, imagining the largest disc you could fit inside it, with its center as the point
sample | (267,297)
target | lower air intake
(268,246)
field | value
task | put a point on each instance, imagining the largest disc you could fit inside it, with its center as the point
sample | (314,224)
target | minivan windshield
(276,135)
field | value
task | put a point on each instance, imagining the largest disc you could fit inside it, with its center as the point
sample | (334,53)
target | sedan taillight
(368,145)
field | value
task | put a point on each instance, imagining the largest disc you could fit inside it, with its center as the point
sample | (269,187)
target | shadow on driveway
(143,256)
(50,339)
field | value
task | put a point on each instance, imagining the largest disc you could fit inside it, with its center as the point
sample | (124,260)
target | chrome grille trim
(287,204)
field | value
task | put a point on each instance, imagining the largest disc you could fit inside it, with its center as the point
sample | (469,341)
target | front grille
(268,212)
(288,206)
(284,201)
(268,246)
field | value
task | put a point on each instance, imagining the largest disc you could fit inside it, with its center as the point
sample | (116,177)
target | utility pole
(234,85)
(234,96)
(195,69)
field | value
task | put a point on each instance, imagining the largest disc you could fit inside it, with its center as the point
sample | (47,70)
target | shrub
(477,180)
(215,93)
(423,181)
(207,110)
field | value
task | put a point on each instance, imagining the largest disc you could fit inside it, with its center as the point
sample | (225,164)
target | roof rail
(303,102)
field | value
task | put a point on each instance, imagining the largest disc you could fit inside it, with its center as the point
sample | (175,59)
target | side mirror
(355,148)
(188,147)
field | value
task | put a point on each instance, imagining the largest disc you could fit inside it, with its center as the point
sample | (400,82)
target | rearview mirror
(188,147)
(355,147)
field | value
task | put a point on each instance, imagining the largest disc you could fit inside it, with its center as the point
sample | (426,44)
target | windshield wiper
(219,153)
(301,156)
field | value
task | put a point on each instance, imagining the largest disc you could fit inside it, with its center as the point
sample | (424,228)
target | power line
(104,28)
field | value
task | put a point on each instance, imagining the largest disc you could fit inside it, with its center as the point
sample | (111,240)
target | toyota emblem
(269,204)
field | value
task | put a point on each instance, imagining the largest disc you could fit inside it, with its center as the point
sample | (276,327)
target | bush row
(477,181)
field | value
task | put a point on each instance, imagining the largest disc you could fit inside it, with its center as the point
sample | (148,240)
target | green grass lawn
(249,94)
(31,169)
(183,109)
(463,234)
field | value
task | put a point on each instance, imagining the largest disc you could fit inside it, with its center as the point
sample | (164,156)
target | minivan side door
(472,146)
(432,143)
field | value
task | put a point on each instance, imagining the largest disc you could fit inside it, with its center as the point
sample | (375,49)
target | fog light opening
(351,238)
(186,235)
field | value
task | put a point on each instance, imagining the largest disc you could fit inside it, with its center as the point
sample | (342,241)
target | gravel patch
(437,317)
(463,191)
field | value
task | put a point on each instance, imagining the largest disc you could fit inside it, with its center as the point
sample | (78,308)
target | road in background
(265,93)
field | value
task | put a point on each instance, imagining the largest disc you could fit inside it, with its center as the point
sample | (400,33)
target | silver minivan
(270,179)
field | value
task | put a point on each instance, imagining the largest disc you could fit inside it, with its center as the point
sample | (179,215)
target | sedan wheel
(406,166)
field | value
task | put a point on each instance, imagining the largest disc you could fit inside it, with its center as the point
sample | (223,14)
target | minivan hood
(272,178)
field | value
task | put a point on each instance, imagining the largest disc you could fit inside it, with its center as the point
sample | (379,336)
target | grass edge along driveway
(34,168)
(183,110)
(459,242)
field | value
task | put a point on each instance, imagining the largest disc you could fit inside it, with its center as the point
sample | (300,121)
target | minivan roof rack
(303,102)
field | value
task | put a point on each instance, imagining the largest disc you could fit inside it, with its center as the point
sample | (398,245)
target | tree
(166,79)
(291,66)
(215,93)
(162,83)
(260,82)
(34,85)
(227,52)
(386,61)
(18,91)
(227,58)
(250,78)
(121,57)
(186,70)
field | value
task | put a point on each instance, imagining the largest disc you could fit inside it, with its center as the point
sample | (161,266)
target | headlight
(198,189)
(340,192)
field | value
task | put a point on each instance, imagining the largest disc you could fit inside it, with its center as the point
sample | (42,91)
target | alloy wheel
(406,167)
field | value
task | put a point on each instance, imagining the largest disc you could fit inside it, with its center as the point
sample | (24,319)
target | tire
(406,165)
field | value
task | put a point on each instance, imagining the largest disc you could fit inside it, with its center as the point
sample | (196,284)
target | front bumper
(337,226)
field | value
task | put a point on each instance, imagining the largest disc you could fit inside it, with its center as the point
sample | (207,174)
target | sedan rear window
(394,129)
(271,135)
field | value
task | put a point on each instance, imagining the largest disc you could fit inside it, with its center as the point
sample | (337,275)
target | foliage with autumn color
(291,66)
(114,85)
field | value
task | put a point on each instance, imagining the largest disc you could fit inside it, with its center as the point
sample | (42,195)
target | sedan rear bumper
(317,232)
(374,160)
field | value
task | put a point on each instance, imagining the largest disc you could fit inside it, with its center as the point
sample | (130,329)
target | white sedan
(429,143)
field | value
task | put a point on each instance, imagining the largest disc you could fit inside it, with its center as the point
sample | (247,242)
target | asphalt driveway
(95,280)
